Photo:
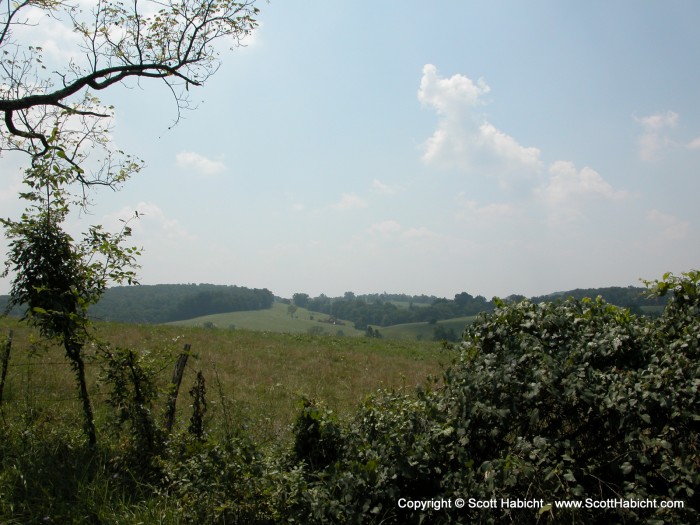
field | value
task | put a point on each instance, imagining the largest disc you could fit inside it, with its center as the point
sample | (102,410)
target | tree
(53,115)
(171,40)
(55,278)
(301,299)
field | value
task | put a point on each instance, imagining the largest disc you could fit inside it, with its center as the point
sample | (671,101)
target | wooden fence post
(175,388)
(5,359)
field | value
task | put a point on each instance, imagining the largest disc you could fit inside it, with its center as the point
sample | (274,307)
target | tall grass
(254,383)
(260,375)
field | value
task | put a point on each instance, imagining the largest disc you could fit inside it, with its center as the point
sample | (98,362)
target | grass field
(278,319)
(275,319)
(255,379)
(424,331)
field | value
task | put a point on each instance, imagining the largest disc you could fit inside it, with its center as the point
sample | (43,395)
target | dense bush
(550,401)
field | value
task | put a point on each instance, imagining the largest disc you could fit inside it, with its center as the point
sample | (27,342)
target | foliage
(56,279)
(549,401)
(442,333)
(382,309)
(218,482)
(172,41)
(131,379)
(317,436)
(163,303)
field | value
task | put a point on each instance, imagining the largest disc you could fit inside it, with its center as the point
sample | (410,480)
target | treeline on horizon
(163,303)
(383,310)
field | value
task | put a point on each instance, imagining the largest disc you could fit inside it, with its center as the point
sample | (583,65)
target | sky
(495,148)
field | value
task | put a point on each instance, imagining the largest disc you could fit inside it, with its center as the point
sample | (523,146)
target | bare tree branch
(170,40)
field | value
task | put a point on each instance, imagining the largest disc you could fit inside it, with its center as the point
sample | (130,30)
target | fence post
(175,388)
(5,359)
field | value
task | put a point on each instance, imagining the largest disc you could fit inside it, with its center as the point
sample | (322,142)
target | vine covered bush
(562,401)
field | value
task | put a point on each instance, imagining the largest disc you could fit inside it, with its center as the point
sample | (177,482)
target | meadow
(255,377)
(303,321)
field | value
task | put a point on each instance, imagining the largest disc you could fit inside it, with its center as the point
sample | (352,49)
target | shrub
(317,436)
(217,482)
(552,401)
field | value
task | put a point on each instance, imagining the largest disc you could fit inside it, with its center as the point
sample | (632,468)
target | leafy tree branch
(173,41)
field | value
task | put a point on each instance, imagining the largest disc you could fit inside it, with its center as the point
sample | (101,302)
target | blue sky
(487,147)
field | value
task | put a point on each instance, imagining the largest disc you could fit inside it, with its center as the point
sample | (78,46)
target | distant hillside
(632,297)
(163,303)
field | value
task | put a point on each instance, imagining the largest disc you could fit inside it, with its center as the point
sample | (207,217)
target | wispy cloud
(655,137)
(384,189)
(471,209)
(694,144)
(672,228)
(350,201)
(189,160)
(152,223)
(384,228)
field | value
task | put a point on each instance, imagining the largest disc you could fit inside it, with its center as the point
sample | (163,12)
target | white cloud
(463,138)
(419,233)
(450,95)
(350,201)
(152,223)
(659,120)
(471,209)
(655,138)
(672,228)
(189,160)
(387,227)
(385,189)
(566,184)
(694,144)
(568,191)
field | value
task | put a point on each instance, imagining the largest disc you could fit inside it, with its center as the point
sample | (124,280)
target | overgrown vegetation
(56,279)
(558,401)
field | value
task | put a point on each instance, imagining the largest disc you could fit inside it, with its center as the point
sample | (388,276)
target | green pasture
(279,319)
(275,319)
(255,378)
(423,331)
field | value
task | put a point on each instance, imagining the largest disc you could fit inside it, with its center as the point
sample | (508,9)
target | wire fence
(41,381)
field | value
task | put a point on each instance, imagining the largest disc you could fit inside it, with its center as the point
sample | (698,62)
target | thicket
(547,401)
(552,401)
